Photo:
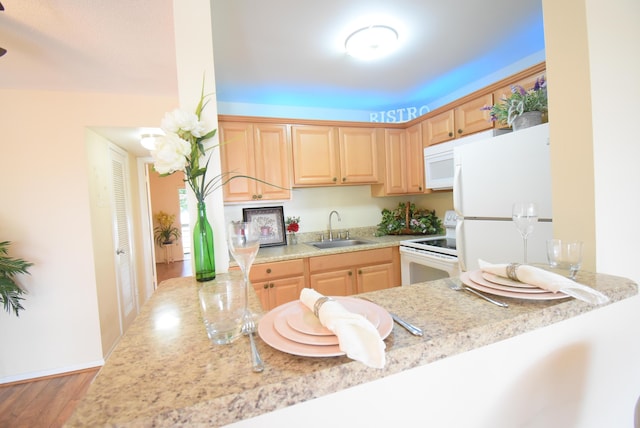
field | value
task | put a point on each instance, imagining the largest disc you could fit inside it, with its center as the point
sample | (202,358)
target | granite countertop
(303,249)
(165,372)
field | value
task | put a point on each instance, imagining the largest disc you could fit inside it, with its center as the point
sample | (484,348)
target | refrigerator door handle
(460,243)
(457,201)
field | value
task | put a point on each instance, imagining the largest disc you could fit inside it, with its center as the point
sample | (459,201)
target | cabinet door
(285,291)
(358,155)
(237,157)
(471,118)
(396,160)
(315,155)
(439,129)
(377,277)
(334,283)
(272,154)
(415,160)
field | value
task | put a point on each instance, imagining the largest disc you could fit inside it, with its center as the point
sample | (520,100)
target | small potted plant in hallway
(165,233)
(10,292)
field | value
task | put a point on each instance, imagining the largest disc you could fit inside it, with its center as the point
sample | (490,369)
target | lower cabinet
(278,282)
(355,272)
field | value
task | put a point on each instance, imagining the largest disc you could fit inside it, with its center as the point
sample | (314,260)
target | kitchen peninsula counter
(165,371)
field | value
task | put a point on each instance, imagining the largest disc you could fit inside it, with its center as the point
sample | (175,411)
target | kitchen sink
(339,243)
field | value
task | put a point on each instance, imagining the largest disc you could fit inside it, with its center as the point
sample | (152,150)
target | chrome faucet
(330,228)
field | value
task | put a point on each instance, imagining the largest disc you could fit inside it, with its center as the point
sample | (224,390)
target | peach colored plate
(267,331)
(300,318)
(497,279)
(481,278)
(465,278)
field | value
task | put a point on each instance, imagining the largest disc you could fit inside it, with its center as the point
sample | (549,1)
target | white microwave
(438,159)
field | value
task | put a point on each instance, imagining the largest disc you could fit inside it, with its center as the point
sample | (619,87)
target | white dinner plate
(267,331)
(465,278)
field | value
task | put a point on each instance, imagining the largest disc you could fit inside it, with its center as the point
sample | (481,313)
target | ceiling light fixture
(148,141)
(371,42)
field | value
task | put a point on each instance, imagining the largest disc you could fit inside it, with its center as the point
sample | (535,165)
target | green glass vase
(203,253)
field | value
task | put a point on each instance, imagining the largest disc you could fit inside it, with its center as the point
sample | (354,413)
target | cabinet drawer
(347,260)
(268,271)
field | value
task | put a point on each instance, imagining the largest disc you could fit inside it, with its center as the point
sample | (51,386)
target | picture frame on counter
(271,221)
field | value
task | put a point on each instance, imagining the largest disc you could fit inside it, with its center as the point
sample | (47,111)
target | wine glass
(525,216)
(244,243)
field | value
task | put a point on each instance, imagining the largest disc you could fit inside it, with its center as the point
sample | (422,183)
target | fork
(459,287)
(248,328)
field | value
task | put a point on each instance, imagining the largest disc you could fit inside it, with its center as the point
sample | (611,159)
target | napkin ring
(321,301)
(511,271)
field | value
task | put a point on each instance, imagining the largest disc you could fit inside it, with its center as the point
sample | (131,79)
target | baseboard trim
(40,375)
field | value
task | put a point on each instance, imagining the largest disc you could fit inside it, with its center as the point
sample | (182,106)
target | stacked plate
(494,284)
(294,329)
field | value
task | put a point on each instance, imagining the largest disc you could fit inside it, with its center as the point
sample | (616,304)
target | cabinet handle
(450,134)
(268,270)
(271,285)
(344,179)
(259,196)
(420,188)
(460,131)
(360,271)
(265,286)
(254,197)
(350,273)
(335,179)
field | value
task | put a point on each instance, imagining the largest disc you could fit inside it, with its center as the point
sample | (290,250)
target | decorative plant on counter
(165,233)
(293,224)
(520,101)
(183,149)
(406,219)
(10,291)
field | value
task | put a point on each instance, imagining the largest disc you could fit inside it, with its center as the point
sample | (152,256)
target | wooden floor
(46,402)
(49,402)
(173,270)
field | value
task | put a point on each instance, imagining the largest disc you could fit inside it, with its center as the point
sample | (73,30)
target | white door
(124,262)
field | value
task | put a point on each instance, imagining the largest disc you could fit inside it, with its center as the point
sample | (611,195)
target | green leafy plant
(165,232)
(406,219)
(520,101)
(10,292)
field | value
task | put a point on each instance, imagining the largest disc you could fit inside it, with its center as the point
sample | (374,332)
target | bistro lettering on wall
(398,115)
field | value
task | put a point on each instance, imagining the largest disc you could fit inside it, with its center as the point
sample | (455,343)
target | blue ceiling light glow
(528,41)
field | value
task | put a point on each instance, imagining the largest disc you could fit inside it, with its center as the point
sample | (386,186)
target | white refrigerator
(490,175)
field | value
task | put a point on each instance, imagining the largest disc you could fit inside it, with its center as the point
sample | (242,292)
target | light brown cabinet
(357,272)
(260,150)
(404,160)
(467,118)
(327,155)
(278,282)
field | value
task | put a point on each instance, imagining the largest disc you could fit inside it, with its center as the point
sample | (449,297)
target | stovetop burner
(438,244)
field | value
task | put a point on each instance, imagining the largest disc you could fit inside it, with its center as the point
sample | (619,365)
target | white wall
(354,204)
(46,214)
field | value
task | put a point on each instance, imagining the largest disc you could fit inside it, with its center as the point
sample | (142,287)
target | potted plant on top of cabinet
(523,108)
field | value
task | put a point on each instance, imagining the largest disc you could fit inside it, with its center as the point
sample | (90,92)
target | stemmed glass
(244,243)
(525,216)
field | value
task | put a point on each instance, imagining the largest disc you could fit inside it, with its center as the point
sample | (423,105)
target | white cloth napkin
(357,337)
(548,281)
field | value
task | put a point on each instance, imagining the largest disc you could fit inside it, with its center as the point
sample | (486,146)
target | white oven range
(431,258)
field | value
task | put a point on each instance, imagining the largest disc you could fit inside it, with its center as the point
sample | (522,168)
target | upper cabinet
(327,155)
(258,150)
(465,119)
(403,163)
